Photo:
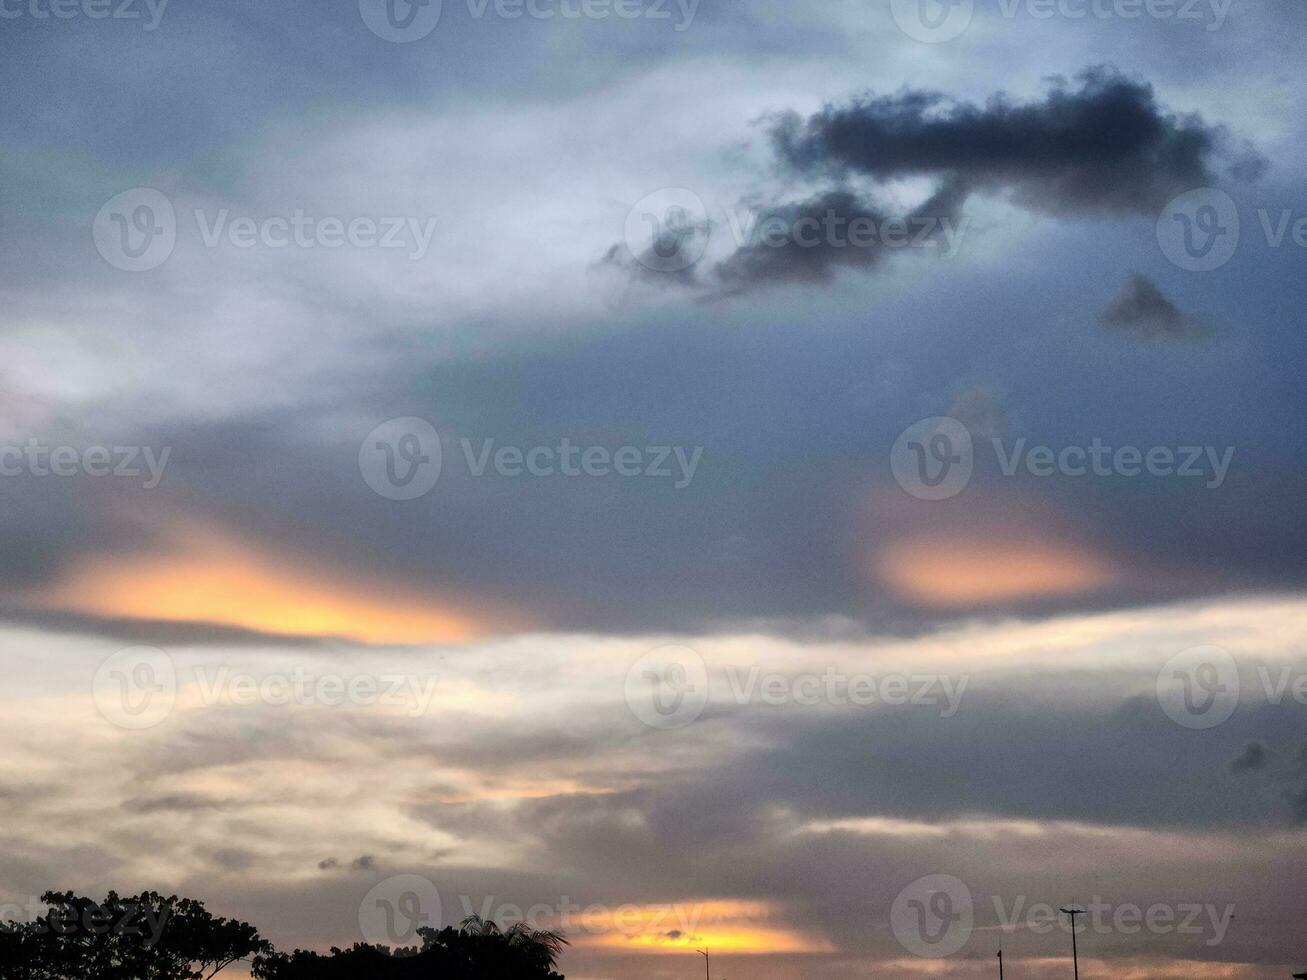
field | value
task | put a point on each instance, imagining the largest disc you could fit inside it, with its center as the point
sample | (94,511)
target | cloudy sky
(815,482)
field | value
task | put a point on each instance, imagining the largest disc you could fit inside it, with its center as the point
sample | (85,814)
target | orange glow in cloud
(210,577)
(722,926)
(943,571)
(722,939)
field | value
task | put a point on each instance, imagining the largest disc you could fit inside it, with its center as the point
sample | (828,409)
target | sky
(814,482)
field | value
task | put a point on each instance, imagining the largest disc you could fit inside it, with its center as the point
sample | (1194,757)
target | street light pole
(1000,965)
(1075,959)
(707,973)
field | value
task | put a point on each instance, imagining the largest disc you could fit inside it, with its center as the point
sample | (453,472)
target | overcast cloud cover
(739,254)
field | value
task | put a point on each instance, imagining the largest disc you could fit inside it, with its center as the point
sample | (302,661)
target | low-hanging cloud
(820,234)
(1251,758)
(1104,145)
(1101,145)
(1141,309)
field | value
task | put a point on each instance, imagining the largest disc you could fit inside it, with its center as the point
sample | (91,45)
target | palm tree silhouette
(542,945)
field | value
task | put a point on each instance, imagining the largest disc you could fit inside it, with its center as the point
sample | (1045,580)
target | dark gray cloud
(175,803)
(774,529)
(1297,800)
(1251,758)
(727,828)
(233,859)
(1050,744)
(1104,144)
(1167,783)
(1141,309)
(672,256)
(808,241)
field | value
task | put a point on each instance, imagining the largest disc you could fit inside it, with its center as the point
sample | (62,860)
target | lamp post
(707,974)
(1075,959)
(1000,965)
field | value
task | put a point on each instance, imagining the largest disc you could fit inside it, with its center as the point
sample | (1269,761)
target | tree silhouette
(478,950)
(542,946)
(150,937)
(142,937)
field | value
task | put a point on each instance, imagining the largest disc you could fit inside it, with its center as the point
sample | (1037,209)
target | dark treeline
(153,937)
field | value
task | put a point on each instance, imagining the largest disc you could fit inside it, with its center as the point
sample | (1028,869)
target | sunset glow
(653,489)
(944,572)
(722,926)
(213,578)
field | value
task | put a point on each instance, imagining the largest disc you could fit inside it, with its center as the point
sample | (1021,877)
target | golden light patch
(720,940)
(209,577)
(946,572)
(720,926)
